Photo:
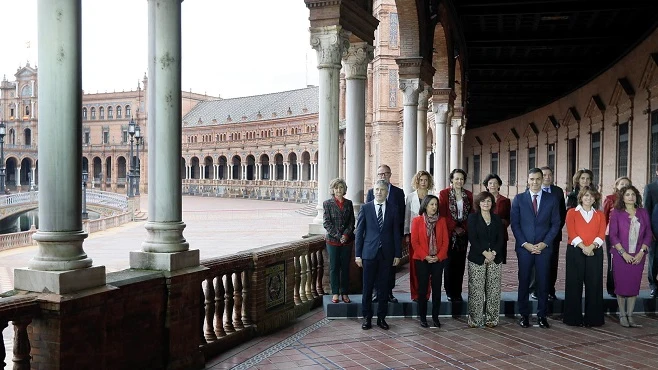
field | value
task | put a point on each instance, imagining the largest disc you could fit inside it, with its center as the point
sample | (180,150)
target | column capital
(330,43)
(423,98)
(356,60)
(440,108)
(410,89)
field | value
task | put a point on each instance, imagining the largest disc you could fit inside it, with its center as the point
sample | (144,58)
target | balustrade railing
(281,190)
(250,293)
(20,310)
(107,199)
(19,198)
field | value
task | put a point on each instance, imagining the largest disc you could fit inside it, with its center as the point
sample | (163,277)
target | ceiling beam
(496,8)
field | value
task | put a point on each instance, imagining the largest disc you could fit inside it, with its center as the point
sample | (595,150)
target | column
(60,264)
(421,142)
(440,111)
(230,171)
(462,133)
(244,172)
(286,175)
(455,131)
(410,89)
(356,68)
(330,42)
(165,248)
(17,174)
(202,171)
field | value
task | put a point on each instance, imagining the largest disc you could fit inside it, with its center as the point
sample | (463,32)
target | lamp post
(131,132)
(85,177)
(2,157)
(138,138)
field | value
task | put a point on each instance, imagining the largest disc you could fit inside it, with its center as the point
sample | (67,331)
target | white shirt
(587,215)
(460,207)
(377,209)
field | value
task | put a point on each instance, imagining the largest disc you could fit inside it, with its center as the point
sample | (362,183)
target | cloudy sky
(230,48)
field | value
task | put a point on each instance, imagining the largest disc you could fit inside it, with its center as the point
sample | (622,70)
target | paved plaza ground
(222,226)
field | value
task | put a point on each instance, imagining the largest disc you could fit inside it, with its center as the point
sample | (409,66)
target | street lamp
(131,132)
(138,138)
(85,177)
(2,157)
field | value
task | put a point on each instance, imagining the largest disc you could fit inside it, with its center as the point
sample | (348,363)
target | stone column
(17,175)
(165,248)
(461,146)
(330,42)
(202,171)
(61,265)
(356,68)
(421,137)
(455,130)
(410,89)
(440,111)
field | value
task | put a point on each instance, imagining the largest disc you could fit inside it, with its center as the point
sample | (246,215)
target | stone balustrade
(20,310)
(287,191)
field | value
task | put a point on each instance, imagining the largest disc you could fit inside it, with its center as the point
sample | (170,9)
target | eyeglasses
(383,173)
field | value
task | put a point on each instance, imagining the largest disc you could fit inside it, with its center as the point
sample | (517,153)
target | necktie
(548,190)
(534,203)
(380,217)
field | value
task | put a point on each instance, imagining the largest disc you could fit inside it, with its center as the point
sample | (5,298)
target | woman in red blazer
(429,235)
(455,204)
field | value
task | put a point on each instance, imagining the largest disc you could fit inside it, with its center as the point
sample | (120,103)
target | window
(551,156)
(93,113)
(596,156)
(109,113)
(128,111)
(124,136)
(118,111)
(476,169)
(11,112)
(653,149)
(106,137)
(84,113)
(494,163)
(512,167)
(86,137)
(101,113)
(532,158)
(622,150)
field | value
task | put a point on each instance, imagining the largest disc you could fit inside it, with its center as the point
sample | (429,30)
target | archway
(26,171)
(237,167)
(208,170)
(292,166)
(251,166)
(182,169)
(278,160)
(306,166)
(265,167)
(121,171)
(194,168)
(222,167)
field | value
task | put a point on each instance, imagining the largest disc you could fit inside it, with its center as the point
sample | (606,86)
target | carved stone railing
(107,199)
(259,290)
(21,202)
(16,240)
(20,310)
(286,191)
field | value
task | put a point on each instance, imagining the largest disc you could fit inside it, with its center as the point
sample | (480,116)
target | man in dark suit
(650,201)
(377,249)
(395,196)
(535,221)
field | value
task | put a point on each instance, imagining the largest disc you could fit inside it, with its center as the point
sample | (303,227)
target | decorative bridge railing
(279,190)
(21,202)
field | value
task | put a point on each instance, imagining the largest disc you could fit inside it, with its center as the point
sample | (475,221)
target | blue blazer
(528,228)
(395,196)
(368,236)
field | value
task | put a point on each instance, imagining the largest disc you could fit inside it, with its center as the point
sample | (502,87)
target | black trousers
(454,272)
(424,271)
(652,262)
(582,269)
(610,280)
(376,269)
(552,270)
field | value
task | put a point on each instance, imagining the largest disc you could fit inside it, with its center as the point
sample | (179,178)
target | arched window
(128,111)
(93,113)
(109,113)
(84,113)
(118,111)
(101,113)
(27,110)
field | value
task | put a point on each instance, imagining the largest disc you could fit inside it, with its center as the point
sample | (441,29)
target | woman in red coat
(429,235)
(455,204)
(608,206)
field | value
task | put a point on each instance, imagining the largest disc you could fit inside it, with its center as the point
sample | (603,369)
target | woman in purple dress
(630,235)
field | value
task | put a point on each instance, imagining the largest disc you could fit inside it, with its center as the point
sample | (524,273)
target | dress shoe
(612,294)
(367,324)
(543,323)
(623,321)
(424,324)
(436,323)
(392,299)
(524,322)
(382,324)
(457,298)
(374,298)
(653,293)
(552,297)
(533,296)
(449,299)
(632,323)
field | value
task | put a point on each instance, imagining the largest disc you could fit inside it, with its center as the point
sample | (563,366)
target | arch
(85,164)
(251,167)
(121,171)
(306,166)
(443,78)
(118,111)
(208,172)
(26,171)
(223,167)
(265,167)
(182,168)
(292,166)
(84,113)
(110,113)
(278,160)
(12,137)
(98,169)
(236,161)
(93,113)
(108,170)
(101,113)
(408,28)
(27,136)
(128,111)
(194,168)
(11,164)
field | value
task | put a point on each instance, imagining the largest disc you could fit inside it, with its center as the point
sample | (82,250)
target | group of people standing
(439,231)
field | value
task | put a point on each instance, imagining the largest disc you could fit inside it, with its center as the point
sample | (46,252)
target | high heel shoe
(632,323)
(623,321)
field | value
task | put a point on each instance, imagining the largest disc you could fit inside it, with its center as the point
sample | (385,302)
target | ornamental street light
(138,138)
(131,132)
(2,157)
(85,177)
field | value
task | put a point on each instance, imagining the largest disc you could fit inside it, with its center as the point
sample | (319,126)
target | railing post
(209,295)
(21,343)
(246,298)
(309,275)
(237,295)
(228,325)
(302,277)
(296,290)
(320,281)
(314,273)
(3,353)
(219,307)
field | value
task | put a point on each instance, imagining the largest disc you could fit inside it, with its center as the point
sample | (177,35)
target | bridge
(103,202)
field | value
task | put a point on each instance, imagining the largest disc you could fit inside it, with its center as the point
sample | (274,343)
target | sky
(230,48)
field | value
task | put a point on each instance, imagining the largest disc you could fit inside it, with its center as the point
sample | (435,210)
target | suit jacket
(422,244)
(444,209)
(338,222)
(368,236)
(559,194)
(650,196)
(530,228)
(620,226)
(485,237)
(395,196)
(503,209)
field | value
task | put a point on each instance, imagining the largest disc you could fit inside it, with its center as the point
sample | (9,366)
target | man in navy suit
(395,196)
(377,249)
(535,221)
